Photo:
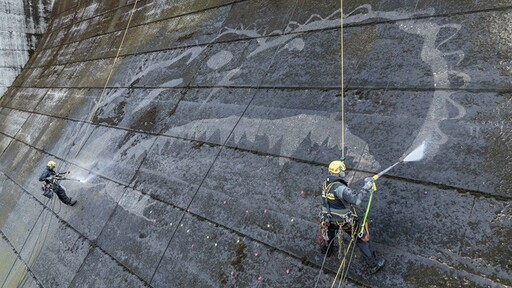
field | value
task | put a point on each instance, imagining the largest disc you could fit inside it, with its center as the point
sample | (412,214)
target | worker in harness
(51,179)
(338,213)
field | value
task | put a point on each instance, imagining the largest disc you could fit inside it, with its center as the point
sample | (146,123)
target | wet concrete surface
(22,24)
(201,158)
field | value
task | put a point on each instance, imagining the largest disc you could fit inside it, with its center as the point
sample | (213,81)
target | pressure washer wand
(59,177)
(415,155)
(387,169)
(369,185)
(69,179)
(369,182)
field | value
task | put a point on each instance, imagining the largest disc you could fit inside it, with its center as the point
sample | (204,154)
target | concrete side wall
(201,143)
(21,25)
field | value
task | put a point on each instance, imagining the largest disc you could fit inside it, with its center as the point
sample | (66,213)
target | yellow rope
(345,271)
(342,84)
(342,264)
(342,93)
(108,79)
(38,245)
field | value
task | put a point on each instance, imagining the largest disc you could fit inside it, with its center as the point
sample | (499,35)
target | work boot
(380,263)
(71,202)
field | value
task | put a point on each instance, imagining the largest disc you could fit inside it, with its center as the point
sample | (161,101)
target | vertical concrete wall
(21,25)
(201,143)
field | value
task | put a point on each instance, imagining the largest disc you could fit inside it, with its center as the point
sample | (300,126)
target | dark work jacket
(47,175)
(337,197)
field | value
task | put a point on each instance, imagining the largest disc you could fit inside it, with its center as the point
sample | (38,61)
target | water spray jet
(369,182)
(416,155)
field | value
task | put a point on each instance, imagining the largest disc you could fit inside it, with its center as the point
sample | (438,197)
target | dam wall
(198,133)
(22,24)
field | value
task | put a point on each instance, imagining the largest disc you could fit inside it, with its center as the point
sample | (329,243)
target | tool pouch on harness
(47,190)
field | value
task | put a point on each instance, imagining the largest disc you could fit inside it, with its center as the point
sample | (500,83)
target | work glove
(368,184)
(373,188)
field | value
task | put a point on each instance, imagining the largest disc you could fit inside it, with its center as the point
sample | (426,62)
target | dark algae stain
(240,256)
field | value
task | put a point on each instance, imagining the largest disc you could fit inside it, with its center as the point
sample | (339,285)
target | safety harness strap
(325,190)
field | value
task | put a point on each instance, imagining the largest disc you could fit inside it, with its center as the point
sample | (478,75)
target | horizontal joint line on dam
(145,23)
(262,153)
(283,87)
(441,186)
(441,15)
(180,47)
(194,12)
(428,89)
(134,26)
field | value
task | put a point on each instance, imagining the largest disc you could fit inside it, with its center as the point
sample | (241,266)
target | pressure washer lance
(369,185)
(60,176)
(369,182)
(64,178)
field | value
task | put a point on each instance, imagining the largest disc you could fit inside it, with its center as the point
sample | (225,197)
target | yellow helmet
(336,167)
(52,164)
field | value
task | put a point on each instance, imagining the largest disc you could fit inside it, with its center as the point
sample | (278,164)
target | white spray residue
(290,40)
(430,131)
(298,128)
(430,54)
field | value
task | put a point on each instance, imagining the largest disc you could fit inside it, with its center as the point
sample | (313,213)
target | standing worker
(338,213)
(51,178)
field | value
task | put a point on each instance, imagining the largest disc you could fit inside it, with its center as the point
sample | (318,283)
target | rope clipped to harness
(343,252)
(342,271)
(47,190)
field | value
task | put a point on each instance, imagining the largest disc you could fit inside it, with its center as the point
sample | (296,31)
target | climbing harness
(48,187)
(47,190)
(336,214)
(349,220)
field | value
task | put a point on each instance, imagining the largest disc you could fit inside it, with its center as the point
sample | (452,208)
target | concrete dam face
(21,25)
(197,135)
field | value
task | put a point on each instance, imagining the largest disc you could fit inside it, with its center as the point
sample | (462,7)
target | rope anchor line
(96,107)
(342,92)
